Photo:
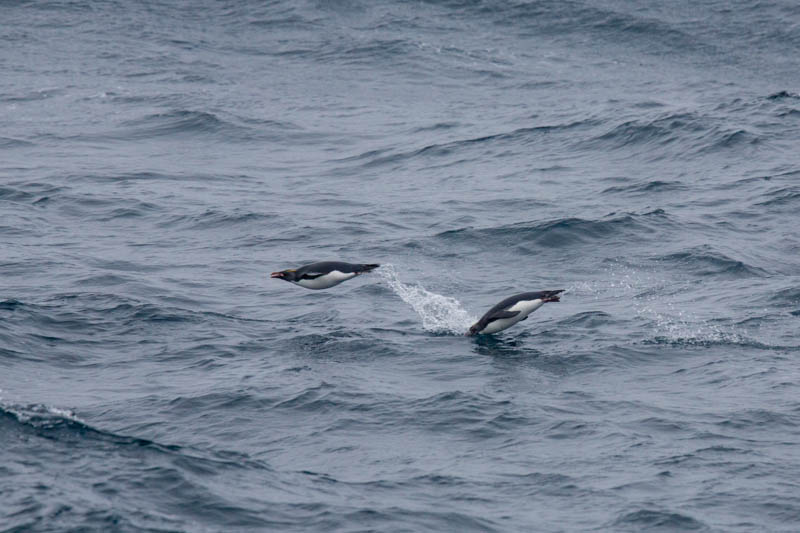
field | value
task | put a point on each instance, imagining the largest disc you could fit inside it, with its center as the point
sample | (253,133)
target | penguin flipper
(503,314)
(311,276)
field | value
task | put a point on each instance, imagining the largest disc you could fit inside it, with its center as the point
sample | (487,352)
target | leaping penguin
(322,275)
(512,310)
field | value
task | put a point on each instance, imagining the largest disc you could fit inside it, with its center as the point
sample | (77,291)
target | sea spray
(650,299)
(440,314)
(678,326)
(653,297)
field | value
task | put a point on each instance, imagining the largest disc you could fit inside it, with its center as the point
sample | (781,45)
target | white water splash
(648,295)
(440,314)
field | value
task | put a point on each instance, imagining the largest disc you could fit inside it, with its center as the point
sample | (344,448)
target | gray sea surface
(159,159)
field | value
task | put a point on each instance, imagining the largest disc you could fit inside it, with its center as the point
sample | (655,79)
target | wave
(368,52)
(47,420)
(644,31)
(565,232)
(59,444)
(686,134)
(8,142)
(476,415)
(183,123)
(587,319)
(338,345)
(519,137)
(788,197)
(655,186)
(29,193)
(32,96)
(787,296)
(134,209)
(287,20)
(41,416)
(651,519)
(178,123)
(761,418)
(480,416)
(75,329)
(704,261)
(213,219)
(149,176)
(782,95)
(78,204)
(438,126)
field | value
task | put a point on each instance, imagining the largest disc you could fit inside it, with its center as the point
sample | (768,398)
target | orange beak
(276,275)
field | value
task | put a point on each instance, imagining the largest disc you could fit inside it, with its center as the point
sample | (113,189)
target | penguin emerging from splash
(322,275)
(512,310)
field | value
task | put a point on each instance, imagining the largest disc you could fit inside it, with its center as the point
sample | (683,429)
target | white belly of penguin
(334,277)
(525,307)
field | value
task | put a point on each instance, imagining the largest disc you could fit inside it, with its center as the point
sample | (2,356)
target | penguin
(323,275)
(512,310)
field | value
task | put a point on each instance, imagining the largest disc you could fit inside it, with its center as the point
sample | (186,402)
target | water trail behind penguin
(440,314)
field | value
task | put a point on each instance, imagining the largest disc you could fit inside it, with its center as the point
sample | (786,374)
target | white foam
(38,414)
(440,314)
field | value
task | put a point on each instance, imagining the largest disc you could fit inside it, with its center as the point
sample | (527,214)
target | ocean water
(159,159)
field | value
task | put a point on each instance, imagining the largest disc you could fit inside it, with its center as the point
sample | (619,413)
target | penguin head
(286,275)
(474,329)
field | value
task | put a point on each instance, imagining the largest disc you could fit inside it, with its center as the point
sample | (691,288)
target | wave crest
(563,232)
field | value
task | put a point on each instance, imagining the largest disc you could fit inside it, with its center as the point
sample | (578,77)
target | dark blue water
(158,160)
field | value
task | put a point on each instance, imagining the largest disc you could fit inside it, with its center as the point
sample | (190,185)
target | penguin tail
(552,296)
(367,268)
